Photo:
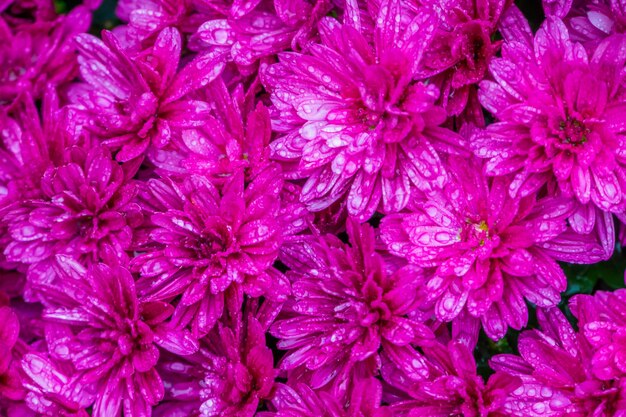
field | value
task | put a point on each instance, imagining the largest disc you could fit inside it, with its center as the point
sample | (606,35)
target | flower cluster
(299,208)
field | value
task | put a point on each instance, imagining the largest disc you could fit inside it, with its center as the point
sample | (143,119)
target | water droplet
(221,36)
(36,364)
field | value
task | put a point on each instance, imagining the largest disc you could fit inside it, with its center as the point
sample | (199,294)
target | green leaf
(104,17)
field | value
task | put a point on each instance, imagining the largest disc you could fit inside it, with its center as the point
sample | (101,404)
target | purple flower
(461,49)
(147,18)
(560,8)
(51,392)
(301,401)
(36,54)
(589,22)
(133,102)
(254,29)
(354,122)
(490,252)
(10,379)
(602,320)
(236,136)
(452,389)
(555,365)
(20,12)
(348,304)
(300,208)
(229,376)
(29,146)
(110,336)
(560,122)
(84,210)
(206,244)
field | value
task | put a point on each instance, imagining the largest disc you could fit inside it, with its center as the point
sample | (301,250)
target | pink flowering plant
(305,208)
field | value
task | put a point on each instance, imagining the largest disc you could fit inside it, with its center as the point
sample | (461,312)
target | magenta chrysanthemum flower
(147,18)
(206,244)
(229,376)
(561,122)
(37,54)
(84,208)
(110,336)
(138,102)
(30,144)
(347,305)
(254,29)
(589,22)
(462,48)
(301,401)
(560,8)
(51,392)
(10,379)
(453,388)
(28,148)
(312,208)
(602,320)
(354,122)
(491,251)
(557,371)
(236,136)
(20,12)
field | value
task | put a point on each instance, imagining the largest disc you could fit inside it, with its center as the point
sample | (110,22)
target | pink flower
(561,122)
(51,392)
(16,409)
(110,336)
(462,48)
(206,245)
(36,54)
(235,136)
(490,252)
(10,379)
(347,306)
(29,146)
(32,140)
(147,18)
(256,29)
(354,122)
(602,320)
(560,8)
(20,12)
(134,102)
(555,365)
(589,22)
(84,209)
(12,348)
(229,376)
(301,401)
(453,387)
